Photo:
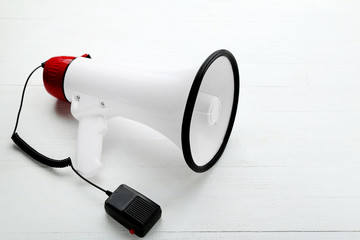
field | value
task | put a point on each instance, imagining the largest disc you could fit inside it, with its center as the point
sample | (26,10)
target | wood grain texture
(291,168)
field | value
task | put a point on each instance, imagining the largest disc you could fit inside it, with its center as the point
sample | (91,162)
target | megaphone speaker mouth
(217,81)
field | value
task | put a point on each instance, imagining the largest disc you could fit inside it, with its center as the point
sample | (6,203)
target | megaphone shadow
(156,153)
(62,109)
(136,145)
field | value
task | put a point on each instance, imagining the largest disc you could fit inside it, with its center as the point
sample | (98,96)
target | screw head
(102,104)
(77,97)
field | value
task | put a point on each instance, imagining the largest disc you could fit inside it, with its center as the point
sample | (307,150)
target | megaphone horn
(196,111)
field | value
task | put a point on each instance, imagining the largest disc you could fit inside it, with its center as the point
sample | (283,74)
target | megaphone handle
(90,137)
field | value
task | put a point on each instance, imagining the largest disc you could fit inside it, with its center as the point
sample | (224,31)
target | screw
(77,97)
(102,104)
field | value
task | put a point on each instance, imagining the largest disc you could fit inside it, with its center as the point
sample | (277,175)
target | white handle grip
(90,138)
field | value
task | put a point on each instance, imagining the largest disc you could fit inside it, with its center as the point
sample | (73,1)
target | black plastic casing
(133,210)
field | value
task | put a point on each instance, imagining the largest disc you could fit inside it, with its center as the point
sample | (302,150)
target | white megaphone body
(195,110)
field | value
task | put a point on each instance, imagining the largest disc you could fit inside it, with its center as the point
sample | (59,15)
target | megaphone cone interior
(218,81)
(195,110)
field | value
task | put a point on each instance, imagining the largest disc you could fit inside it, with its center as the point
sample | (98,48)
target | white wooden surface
(291,169)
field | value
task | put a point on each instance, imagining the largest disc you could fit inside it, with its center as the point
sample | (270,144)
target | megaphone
(195,109)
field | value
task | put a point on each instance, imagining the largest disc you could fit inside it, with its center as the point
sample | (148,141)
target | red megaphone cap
(53,75)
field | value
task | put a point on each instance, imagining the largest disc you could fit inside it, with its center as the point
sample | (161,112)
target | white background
(292,166)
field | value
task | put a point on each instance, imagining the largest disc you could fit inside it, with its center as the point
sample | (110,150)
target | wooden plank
(251,75)
(224,199)
(187,235)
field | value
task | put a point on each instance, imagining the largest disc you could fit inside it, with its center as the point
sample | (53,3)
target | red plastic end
(53,75)
(132,231)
